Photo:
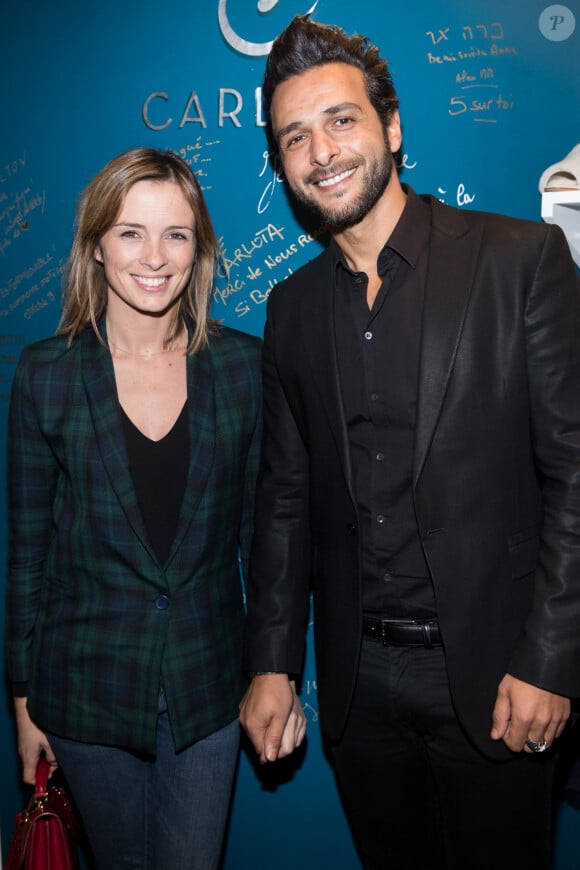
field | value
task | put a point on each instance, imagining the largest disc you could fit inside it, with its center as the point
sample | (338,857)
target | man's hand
(31,743)
(272,716)
(524,712)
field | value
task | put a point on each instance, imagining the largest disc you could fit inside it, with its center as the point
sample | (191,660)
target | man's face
(335,152)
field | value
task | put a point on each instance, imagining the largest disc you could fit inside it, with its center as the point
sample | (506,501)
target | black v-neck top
(159,470)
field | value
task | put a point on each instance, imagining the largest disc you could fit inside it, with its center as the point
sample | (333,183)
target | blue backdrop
(489,98)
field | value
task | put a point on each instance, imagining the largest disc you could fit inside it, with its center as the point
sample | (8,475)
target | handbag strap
(41,779)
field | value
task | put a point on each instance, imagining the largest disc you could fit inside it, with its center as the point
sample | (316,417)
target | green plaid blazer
(83,628)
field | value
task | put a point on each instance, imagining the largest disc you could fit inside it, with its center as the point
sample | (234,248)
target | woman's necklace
(115,348)
(178,345)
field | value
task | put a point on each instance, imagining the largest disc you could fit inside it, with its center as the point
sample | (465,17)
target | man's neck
(362,243)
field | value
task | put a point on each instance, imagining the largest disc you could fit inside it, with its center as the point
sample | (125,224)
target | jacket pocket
(524,548)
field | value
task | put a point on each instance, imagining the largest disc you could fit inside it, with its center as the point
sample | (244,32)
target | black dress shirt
(378,361)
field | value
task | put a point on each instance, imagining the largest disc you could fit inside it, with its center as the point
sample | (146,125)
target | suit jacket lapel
(102,399)
(320,341)
(453,256)
(101,392)
(202,437)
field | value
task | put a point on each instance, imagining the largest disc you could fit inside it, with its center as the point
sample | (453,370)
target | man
(421,471)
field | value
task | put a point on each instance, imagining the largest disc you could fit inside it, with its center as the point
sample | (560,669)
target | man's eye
(295,140)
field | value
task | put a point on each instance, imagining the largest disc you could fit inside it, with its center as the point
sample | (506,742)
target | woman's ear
(98,255)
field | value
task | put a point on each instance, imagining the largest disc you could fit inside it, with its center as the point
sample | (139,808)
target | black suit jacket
(496,478)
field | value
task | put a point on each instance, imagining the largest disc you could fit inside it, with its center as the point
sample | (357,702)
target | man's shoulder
(454,221)
(302,280)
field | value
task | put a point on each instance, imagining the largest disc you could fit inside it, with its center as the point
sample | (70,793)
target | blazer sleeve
(279,580)
(548,653)
(249,492)
(33,474)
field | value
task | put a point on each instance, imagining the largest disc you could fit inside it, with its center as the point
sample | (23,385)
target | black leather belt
(403,632)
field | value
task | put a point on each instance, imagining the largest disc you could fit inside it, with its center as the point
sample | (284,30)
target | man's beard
(340,218)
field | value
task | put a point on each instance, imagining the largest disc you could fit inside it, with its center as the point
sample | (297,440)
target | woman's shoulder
(46,351)
(227,342)
(52,364)
(236,360)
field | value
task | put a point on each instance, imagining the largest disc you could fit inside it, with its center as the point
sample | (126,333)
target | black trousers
(417,793)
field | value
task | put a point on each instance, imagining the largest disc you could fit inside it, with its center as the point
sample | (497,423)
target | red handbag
(45,833)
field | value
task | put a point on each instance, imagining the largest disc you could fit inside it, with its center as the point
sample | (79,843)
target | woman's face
(149,252)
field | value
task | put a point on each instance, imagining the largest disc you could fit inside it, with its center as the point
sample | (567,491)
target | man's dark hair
(305,44)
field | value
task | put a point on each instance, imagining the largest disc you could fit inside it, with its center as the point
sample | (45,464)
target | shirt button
(374,397)
(380,457)
(380,519)
(161,602)
(387,577)
(368,335)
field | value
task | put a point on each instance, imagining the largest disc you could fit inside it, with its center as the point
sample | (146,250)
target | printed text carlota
(159,108)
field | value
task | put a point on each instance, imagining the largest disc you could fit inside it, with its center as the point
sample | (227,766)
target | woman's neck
(146,340)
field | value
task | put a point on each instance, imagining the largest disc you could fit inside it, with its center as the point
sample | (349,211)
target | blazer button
(161,602)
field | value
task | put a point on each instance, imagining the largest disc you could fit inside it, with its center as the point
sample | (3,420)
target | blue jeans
(162,813)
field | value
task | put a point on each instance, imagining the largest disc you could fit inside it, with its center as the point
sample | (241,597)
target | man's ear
(394,133)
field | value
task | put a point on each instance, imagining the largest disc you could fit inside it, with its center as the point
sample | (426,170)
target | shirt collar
(408,239)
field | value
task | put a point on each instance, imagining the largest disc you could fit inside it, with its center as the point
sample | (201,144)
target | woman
(134,438)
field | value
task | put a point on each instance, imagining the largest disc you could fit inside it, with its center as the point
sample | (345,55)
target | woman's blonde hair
(85,295)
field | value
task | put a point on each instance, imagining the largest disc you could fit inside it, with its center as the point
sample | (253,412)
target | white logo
(254,49)
(557,23)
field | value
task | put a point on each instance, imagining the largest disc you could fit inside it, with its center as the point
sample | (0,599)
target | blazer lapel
(453,255)
(320,341)
(202,437)
(101,392)
(102,399)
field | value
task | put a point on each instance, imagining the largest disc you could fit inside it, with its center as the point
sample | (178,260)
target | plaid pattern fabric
(83,626)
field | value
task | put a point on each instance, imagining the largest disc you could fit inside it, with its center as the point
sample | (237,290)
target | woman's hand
(272,716)
(31,743)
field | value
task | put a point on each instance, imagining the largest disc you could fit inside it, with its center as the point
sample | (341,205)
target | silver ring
(537,747)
